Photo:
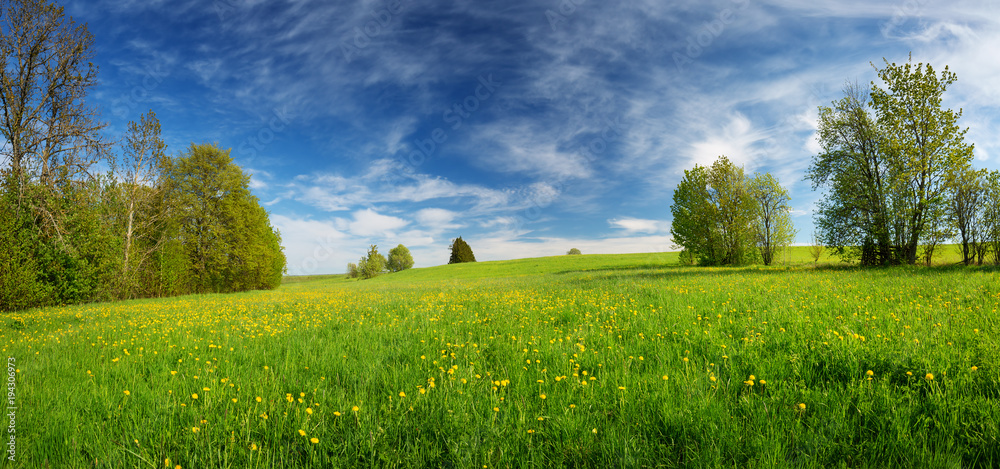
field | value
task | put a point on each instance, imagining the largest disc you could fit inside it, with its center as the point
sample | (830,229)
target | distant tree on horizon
(573,252)
(372,265)
(400,259)
(461,252)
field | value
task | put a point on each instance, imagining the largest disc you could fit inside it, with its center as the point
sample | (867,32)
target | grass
(576,361)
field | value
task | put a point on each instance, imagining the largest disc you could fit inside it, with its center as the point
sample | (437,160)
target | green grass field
(574,361)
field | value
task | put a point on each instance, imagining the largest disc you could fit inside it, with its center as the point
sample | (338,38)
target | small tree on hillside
(372,265)
(816,249)
(461,252)
(352,270)
(573,252)
(399,259)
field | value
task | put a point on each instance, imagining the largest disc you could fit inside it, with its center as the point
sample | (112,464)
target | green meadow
(569,361)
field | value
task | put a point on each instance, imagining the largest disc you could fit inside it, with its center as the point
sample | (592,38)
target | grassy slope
(666,351)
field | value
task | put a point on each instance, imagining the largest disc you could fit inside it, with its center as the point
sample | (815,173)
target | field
(575,361)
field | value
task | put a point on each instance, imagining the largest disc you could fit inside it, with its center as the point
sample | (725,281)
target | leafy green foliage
(222,231)
(371,265)
(461,252)
(714,215)
(573,252)
(888,158)
(773,226)
(400,259)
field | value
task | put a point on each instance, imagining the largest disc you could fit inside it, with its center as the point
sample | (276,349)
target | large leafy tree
(53,201)
(889,155)
(221,237)
(714,214)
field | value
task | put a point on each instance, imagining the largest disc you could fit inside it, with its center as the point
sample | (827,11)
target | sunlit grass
(597,361)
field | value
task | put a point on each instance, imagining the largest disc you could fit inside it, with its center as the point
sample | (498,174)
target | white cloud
(367,223)
(638,225)
(436,218)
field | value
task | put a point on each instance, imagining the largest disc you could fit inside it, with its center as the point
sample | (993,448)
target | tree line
(896,175)
(85,217)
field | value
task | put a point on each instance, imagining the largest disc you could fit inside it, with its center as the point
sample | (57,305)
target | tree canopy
(400,259)
(889,156)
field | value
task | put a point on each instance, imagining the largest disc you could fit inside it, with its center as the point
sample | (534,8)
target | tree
(966,213)
(573,252)
(991,214)
(714,214)
(139,171)
(461,252)
(888,156)
(223,236)
(46,71)
(773,225)
(400,259)
(352,270)
(816,249)
(371,265)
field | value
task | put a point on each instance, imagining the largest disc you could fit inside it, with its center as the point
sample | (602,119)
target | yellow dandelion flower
(572,406)
(621,388)
(205,389)
(542,396)
(752,377)
(402,394)
(762,382)
(929,377)
(234,400)
(594,431)
(302,432)
(665,377)
(711,378)
(909,373)
(173,373)
(974,368)
(355,409)
(314,440)
(253,447)
(127,393)
(195,429)
(496,409)
(309,410)
(336,414)
(870,373)
(802,406)
(685,359)
(194,396)
(531,431)
(258,399)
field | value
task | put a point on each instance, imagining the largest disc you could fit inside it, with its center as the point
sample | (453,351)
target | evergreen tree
(461,252)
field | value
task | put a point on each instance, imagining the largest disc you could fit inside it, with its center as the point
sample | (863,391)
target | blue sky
(528,128)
